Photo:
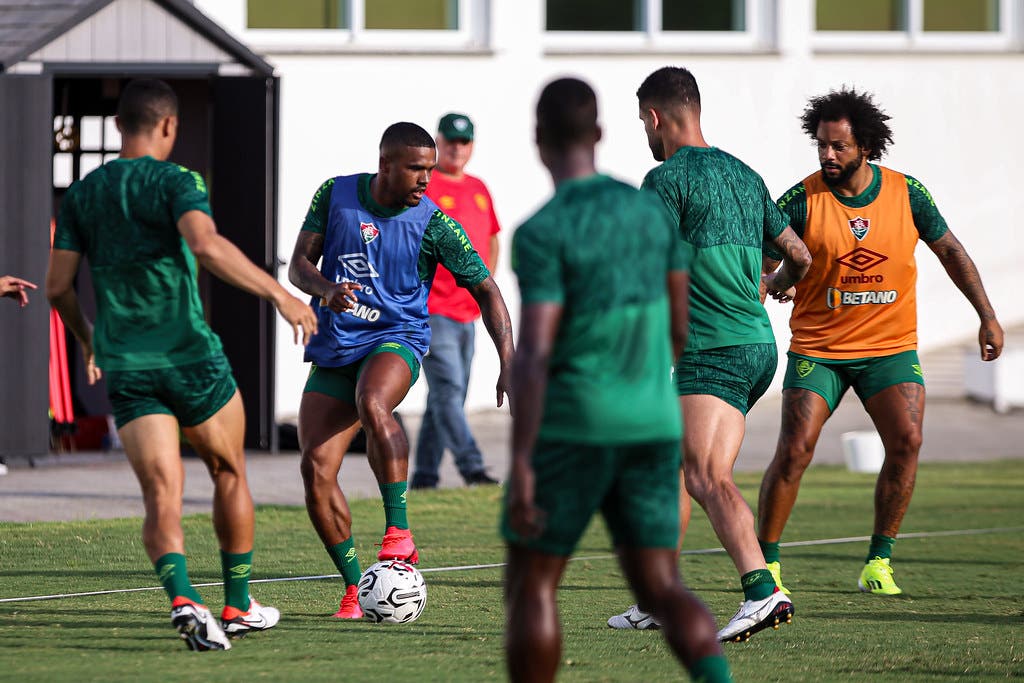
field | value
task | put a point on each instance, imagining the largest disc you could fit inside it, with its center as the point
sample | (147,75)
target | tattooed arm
(964,274)
(496,320)
(796,260)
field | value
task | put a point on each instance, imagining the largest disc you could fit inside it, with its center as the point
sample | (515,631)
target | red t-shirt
(467,200)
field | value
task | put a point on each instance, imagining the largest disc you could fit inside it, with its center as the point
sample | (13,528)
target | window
(691,25)
(82,145)
(340,24)
(916,24)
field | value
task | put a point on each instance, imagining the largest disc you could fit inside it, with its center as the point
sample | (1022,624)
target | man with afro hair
(854,318)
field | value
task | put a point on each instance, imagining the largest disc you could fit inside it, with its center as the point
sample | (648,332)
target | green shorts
(340,383)
(739,375)
(192,393)
(831,378)
(635,486)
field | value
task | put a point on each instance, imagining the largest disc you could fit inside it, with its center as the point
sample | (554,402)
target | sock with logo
(714,669)
(757,585)
(173,573)
(236,569)
(394,504)
(346,560)
(769,550)
(881,546)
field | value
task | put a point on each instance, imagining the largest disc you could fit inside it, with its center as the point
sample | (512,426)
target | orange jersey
(859,297)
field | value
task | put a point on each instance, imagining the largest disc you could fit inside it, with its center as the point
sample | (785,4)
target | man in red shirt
(453,313)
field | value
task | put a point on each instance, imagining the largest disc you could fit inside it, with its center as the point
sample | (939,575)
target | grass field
(961,617)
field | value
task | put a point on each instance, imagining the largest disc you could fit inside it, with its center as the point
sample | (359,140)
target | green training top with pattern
(602,250)
(123,216)
(443,242)
(929,222)
(723,209)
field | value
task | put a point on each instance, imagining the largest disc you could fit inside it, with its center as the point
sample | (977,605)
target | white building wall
(953,117)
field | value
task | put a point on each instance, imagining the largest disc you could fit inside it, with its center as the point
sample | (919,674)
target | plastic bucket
(863,451)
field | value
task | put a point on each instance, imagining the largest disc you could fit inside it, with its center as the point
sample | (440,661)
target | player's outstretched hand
(299,315)
(341,297)
(14,288)
(525,518)
(990,339)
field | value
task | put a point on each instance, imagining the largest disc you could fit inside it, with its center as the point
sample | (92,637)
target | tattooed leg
(803,414)
(898,414)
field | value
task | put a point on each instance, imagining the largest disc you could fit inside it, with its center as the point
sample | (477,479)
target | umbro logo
(861,259)
(240,571)
(358,265)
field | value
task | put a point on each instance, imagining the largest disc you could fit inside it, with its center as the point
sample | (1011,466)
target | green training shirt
(123,217)
(929,222)
(723,210)
(444,240)
(602,250)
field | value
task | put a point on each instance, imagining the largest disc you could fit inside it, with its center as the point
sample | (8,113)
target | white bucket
(863,451)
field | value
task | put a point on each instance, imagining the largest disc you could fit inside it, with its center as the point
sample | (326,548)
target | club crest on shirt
(368,231)
(859,227)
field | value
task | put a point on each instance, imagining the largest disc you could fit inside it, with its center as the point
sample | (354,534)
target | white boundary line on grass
(495,565)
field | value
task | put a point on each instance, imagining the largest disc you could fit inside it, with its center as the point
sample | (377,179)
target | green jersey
(929,222)
(722,208)
(123,217)
(603,250)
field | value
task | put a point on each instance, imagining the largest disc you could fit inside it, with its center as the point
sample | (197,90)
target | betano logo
(834,298)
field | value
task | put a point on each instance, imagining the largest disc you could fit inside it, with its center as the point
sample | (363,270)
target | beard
(845,173)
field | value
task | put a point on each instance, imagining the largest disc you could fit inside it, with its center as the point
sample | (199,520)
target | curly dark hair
(868,122)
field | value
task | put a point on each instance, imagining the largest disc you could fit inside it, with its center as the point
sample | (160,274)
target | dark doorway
(218,117)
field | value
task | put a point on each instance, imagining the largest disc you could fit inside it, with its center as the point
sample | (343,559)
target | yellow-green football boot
(876,577)
(776,569)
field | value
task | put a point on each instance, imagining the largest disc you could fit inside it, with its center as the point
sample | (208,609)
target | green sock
(714,669)
(174,576)
(394,504)
(346,560)
(881,546)
(757,585)
(769,550)
(236,568)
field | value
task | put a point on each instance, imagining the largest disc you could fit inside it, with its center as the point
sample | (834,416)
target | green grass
(961,617)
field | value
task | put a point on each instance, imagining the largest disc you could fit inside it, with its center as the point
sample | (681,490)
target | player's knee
(793,456)
(904,445)
(315,472)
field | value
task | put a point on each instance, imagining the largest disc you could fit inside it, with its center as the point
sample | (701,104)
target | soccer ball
(392,591)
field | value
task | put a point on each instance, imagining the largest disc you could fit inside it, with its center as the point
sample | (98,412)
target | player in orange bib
(854,319)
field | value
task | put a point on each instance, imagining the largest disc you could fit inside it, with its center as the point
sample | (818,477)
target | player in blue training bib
(367,253)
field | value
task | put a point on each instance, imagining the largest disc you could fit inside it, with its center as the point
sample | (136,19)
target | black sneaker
(480,478)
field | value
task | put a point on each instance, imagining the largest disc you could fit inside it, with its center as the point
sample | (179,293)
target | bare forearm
(306,277)
(964,274)
(495,317)
(529,384)
(222,258)
(66,304)
(796,259)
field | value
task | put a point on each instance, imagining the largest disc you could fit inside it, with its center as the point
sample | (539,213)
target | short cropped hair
(670,86)
(405,134)
(867,121)
(566,114)
(143,103)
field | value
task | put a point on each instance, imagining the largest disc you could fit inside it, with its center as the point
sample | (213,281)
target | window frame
(915,39)
(469,34)
(757,35)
